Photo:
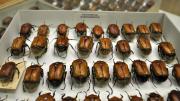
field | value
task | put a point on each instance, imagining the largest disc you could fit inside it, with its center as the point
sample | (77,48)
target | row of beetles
(100,71)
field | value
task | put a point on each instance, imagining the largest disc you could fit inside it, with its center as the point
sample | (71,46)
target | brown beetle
(100,73)
(32,78)
(156,31)
(39,46)
(97,31)
(62,30)
(176,72)
(121,73)
(81,29)
(155,97)
(92,97)
(140,71)
(122,46)
(144,44)
(114,98)
(143,30)
(128,31)
(135,97)
(174,95)
(159,72)
(113,30)
(166,51)
(46,97)
(43,30)
(61,45)
(8,71)
(69,98)
(79,71)
(105,46)
(57,74)
(18,46)
(26,30)
(85,45)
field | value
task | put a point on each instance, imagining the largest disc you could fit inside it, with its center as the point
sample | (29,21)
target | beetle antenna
(139,93)
(121,96)
(78,94)
(74,50)
(110,88)
(128,95)
(108,94)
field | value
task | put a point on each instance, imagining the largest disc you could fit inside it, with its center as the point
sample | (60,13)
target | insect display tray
(71,18)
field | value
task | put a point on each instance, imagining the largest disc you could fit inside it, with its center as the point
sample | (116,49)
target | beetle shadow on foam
(122,84)
(60,54)
(80,85)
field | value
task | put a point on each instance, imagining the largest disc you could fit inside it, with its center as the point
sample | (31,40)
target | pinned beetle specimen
(121,73)
(97,31)
(122,46)
(159,72)
(105,46)
(174,95)
(39,46)
(62,30)
(135,97)
(85,45)
(26,30)
(113,30)
(61,45)
(144,45)
(143,30)
(176,72)
(100,73)
(92,97)
(128,31)
(57,74)
(8,71)
(69,98)
(156,31)
(155,97)
(79,71)
(140,71)
(166,51)
(32,78)
(81,29)
(46,97)
(43,30)
(114,98)
(18,46)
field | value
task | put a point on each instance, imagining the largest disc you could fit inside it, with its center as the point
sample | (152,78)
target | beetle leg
(74,50)
(78,94)
(108,95)
(37,59)
(8,49)
(115,80)
(89,83)
(40,93)
(24,89)
(128,95)
(72,83)
(96,48)
(110,88)
(139,93)
(48,85)
(170,81)
(153,81)
(64,81)
(18,72)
